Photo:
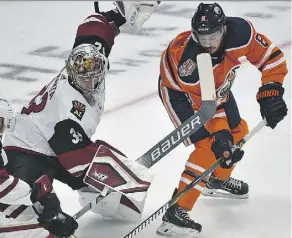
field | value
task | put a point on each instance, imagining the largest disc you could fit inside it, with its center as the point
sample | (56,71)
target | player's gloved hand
(272,105)
(47,206)
(62,225)
(222,143)
(45,202)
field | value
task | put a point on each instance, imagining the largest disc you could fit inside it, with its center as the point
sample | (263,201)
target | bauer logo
(174,139)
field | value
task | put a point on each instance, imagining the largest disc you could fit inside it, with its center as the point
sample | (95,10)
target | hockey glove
(45,202)
(222,143)
(136,12)
(62,226)
(272,105)
(47,206)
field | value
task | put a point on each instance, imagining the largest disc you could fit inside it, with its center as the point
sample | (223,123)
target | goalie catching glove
(136,12)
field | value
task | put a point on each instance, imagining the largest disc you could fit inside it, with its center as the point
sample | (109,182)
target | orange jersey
(178,67)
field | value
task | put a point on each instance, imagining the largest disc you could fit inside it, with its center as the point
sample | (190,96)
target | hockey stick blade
(194,123)
(172,201)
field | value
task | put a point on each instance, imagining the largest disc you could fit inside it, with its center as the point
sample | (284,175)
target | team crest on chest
(224,89)
(187,68)
(78,109)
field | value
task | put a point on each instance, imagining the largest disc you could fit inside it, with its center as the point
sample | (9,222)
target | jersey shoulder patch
(187,66)
(239,32)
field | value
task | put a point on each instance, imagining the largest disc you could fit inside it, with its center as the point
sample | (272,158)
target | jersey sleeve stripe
(9,188)
(17,211)
(274,64)
(268,53)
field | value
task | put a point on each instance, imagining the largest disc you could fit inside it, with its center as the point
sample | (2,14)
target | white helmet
(87,67)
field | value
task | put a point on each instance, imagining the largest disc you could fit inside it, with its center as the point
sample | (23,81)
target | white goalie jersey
(58,120)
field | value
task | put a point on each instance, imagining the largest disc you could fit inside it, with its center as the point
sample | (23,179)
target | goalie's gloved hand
(136,12)
(222,143)
(62,225)
(272,105)
(114,16)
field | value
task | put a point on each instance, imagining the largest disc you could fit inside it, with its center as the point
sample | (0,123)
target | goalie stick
(172,201)
(178,135)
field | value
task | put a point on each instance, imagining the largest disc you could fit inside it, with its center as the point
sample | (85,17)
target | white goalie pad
(136,12)
(129,179)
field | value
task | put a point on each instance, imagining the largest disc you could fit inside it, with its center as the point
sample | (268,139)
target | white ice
(135,119)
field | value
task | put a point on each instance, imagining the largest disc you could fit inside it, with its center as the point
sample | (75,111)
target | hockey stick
(194,123)
(207,111)
(96,7)
(171,202)
(162,148)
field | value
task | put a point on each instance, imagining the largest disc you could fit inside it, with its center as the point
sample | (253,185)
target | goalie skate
(231,188)
(177,223)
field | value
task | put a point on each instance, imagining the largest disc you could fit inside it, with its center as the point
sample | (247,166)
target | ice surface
(35,39)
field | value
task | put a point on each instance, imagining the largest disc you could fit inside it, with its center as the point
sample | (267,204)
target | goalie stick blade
(194,123)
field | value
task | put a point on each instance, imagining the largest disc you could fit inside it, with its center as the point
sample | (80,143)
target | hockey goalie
(50,139)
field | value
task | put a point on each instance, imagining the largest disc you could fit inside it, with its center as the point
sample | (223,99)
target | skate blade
(223,194)
(170,230)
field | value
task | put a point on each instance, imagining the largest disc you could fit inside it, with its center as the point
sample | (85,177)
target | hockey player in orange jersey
(227,39)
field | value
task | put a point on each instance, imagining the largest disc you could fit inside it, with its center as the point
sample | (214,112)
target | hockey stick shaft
(208,109)
(96,7)
(240,144)
(174,200)
(177,136)
(195,122)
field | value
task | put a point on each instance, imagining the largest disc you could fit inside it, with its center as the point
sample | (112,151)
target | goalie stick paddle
(195,122)
(171,202)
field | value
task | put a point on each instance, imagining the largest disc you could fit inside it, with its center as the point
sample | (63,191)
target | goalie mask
(86,67)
